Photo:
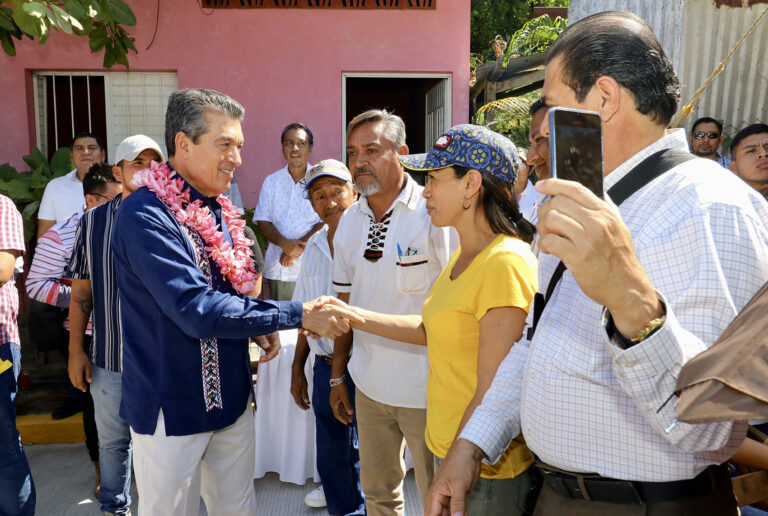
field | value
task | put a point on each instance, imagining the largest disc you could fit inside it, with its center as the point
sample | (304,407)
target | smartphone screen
(576,147)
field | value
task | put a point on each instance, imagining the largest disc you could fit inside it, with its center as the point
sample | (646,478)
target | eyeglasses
(103,196)
(712,135)
(290,143)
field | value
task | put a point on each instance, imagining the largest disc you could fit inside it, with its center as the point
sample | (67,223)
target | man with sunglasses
(706,137)
(94,289)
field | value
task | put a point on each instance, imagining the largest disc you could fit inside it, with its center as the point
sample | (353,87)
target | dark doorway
(405,96)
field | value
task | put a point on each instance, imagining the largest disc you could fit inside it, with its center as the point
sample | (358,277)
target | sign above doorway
(322,4)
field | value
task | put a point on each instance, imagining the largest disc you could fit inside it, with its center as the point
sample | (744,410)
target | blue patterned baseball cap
(471,146)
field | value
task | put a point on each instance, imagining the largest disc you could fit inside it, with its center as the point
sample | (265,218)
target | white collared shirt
(588,406)
(63,196)
(388,371)
(315,281)
(282,203)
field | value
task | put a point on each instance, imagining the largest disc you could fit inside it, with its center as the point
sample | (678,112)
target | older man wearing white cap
(328,186)
(94,289)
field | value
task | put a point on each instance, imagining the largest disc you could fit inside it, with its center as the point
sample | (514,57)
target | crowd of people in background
(520,336)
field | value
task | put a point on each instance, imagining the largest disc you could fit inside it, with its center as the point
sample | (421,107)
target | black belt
(593,487)
(328,358)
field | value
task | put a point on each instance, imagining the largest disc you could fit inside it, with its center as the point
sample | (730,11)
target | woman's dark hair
(500,207)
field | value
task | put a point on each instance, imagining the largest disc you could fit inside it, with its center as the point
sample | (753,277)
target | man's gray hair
(186,113)
(394,127)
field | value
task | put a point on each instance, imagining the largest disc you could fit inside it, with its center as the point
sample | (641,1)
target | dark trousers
(720,502)
(89,420)
(17,490)
(338,461)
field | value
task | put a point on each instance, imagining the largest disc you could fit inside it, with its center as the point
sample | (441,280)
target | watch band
(337,381)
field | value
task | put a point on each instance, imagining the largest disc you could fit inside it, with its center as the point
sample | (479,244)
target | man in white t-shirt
(387,255)
(63,196)
(284,216)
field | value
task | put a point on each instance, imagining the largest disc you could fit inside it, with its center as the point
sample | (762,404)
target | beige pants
(172,472)
(383,431)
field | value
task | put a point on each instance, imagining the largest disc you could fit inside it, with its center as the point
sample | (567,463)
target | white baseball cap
(327,167)
(135,145)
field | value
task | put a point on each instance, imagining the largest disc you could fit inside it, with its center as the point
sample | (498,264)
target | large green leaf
(109,55)
(60,162)
(30,210)
(7,172)
(35,158)
(5,19)
(64,15)
(37,174)
(76,9)
(17,190)
(35,9)
(119,11)
(98,37)
(7,43)
(65,21)
(87,25)
(26,23)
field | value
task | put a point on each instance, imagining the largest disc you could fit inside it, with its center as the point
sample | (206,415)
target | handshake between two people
(325,316)
(328,317)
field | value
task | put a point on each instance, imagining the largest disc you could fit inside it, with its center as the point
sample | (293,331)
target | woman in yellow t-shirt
(476,309)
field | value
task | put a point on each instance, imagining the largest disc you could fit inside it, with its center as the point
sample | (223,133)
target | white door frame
(392,75)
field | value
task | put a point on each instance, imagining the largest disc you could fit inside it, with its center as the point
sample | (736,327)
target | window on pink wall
(112,105)
(71,104)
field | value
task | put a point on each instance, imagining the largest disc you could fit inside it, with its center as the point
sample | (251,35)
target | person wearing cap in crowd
(387,254)
(329,188)
(706,137)
(47,281)
(94,291)
(476,309)
(749,151)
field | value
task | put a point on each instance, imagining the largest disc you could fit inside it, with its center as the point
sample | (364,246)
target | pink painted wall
(282,65)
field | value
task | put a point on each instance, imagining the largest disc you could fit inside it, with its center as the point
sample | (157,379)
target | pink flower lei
(234,261)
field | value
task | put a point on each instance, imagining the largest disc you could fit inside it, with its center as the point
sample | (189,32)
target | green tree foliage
(494,17)
(102,21)
(501,17)
(535,36)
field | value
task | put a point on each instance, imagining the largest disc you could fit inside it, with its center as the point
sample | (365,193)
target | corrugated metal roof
(738,94)
(696,36)
(665,17)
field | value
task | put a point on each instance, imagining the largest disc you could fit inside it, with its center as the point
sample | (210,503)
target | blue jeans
(338,461)
(17,490)
(114,441)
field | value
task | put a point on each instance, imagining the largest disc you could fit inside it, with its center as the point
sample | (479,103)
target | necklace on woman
(235,261)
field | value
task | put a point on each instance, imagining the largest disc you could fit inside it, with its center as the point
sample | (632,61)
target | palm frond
(508,108)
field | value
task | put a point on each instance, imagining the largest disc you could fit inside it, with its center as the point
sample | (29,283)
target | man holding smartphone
(592,390)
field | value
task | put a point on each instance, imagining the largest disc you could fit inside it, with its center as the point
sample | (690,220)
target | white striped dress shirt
(588,406)
(46,280)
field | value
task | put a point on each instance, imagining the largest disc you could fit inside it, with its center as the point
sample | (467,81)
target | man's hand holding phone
(589,236)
